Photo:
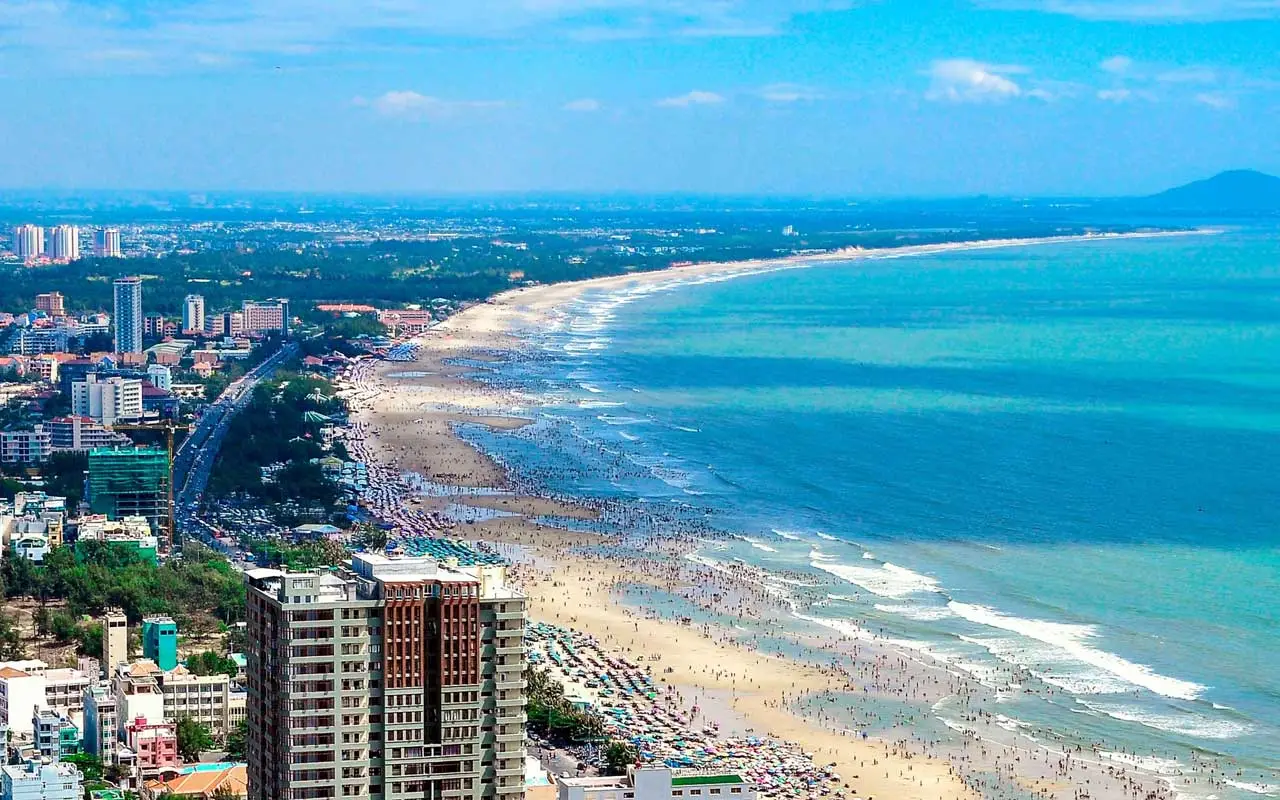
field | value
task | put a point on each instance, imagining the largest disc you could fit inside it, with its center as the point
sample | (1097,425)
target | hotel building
(391,677)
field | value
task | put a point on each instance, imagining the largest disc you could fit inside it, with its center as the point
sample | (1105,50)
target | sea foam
(886,580)
(1072,640)
(1196,726)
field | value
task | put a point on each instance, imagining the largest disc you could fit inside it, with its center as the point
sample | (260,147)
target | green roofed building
(128,482)
(659,783)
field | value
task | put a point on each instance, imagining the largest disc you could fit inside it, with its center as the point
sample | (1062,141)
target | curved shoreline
(446,398)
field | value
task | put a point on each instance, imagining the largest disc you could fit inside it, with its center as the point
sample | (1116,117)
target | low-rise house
(203,782)
(658,783)
(36,780)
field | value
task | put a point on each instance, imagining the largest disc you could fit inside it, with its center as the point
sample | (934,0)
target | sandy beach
(406,416)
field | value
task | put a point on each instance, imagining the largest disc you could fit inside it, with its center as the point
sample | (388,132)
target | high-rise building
(160,641)
(107,400)
(390,677)
(128,482)
(128,315)
(28,242)
(51,303)
(64,243)
(106,243)
(115,640)
(266,316)
(193,313)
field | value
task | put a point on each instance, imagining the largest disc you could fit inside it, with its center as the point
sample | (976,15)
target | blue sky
(830,97)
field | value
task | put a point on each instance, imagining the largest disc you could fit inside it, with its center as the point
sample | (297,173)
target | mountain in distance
(1241,191)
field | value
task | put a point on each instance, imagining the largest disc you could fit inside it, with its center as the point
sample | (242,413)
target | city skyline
(952,97)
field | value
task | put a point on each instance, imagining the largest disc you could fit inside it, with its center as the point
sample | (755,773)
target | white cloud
(1201,75)
(52,32)
(585,104)
(411,104)
(1115,95)
(693,98)
(962,80)
(1117,65)
(789,93)
(1217,100)
(1147,10)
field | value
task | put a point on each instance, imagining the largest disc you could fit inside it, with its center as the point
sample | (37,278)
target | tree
(11,648)
(211,663)
(618,756)
(237,740)
(90,766)
(194,738)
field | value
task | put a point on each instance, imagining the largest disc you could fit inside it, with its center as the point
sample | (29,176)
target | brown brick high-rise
(393,677)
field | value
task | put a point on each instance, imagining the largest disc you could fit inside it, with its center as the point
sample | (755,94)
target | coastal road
(193,461)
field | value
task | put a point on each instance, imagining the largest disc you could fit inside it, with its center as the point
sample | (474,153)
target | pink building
(154,744)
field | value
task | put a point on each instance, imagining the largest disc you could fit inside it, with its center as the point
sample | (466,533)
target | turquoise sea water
(1060,460)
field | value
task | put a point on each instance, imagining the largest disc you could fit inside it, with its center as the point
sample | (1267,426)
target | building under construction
(127,482)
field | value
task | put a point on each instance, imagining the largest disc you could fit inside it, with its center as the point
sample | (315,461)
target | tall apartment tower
(193,313)
(64,243)
(106,243)
(390,677)
(28,242)
(115,641)
(128,315)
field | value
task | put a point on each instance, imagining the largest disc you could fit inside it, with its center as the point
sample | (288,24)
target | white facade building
(658,783)
(64,243)
(36,780)
(106,243)
(115,640)
(21,693)
(107,400)
(193,313)
(161,376)
(28,242)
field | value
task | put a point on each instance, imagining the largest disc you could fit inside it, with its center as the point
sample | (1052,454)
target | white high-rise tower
(106,243)
(28,242)
(64,243)
(193,313)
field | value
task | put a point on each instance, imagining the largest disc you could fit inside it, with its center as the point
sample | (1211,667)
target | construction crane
(169,427)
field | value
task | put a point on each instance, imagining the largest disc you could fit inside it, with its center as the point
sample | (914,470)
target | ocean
(1053,465)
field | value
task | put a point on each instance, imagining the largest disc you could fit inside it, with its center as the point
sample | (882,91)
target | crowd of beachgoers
(845,697)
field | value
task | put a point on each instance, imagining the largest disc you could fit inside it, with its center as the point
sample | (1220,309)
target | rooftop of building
(702,779)
(203,780)
(367,575)
(36,769)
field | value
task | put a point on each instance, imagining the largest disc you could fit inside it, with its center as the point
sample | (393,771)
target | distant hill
(1241,191)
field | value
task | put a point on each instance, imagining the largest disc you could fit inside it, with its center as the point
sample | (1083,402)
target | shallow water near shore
(1051,468)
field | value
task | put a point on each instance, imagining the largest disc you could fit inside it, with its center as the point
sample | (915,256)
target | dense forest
(274,429)
(94,577)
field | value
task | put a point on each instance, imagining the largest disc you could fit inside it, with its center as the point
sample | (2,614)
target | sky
(857,98)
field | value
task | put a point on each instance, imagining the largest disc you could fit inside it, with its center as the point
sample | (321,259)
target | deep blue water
(1059,458)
